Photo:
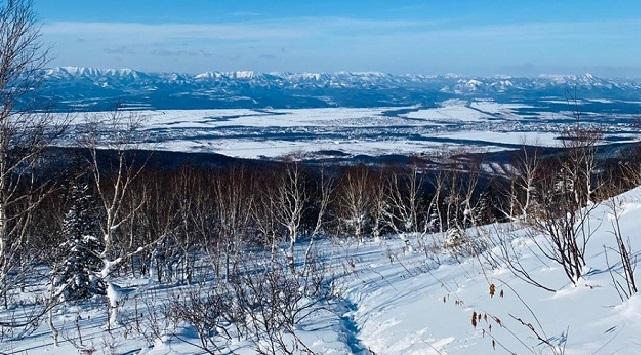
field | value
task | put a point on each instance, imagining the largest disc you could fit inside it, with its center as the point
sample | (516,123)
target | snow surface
(398,298)
(479,125)
(451,110)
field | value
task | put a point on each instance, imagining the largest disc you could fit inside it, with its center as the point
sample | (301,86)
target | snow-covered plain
(402,296)
(479,125)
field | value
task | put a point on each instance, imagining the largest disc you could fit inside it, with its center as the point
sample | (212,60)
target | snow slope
(401,296)
(428,310)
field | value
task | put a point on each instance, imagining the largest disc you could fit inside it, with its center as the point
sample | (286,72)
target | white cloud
(342,43)
(149,31)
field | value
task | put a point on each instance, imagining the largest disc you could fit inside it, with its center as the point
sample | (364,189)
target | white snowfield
(396,298)
(412,307)
(454,124)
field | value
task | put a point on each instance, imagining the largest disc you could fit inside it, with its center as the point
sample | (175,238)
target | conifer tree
(76,274)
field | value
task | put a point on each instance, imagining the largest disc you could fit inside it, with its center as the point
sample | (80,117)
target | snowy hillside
(405,295)
(428,310)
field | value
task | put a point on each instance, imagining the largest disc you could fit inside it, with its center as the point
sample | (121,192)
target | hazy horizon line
(540,75)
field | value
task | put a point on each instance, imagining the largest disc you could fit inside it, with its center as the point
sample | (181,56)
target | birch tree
(24,133)
(115,166)
(291,199)
(355,201)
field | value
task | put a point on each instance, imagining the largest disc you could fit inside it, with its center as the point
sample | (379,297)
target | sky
(469,37)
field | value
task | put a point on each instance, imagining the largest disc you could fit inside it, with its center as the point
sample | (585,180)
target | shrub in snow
(79,262)
(454,238)
(457,243)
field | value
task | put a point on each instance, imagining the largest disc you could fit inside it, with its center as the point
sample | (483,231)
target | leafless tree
(272,300)
(464,205)
(323,198)
(437,217)
(265,217)
(629,170)
(580,164)
(405,199)
(187,181)
(504,251)
(233,202)
(580,142)
(379,203)
(622,272)
(355,201)
(114,178)
(157,217)
(473,203)
(565,196)
(561,221)
(290,202)
(24,134)
(522,178)
(208,309)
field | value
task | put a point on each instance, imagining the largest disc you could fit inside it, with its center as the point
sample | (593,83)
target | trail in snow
(352,330)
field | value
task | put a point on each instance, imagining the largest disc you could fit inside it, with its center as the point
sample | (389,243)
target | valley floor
(479,126)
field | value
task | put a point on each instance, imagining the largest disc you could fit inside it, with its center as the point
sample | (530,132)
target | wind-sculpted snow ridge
(81,89)
(406,295)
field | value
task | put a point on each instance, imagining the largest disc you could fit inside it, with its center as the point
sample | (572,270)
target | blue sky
(524,37)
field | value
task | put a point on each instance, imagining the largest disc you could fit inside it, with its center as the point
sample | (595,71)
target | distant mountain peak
(71,71)
(91,72)
(243,74)
(88,88)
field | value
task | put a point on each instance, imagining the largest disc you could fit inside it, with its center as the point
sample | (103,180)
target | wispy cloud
(281,28)
(307,27)
(245,13)
(344,43)
(152,31)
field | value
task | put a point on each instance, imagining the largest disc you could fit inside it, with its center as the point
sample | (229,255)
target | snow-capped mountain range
(73,88)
